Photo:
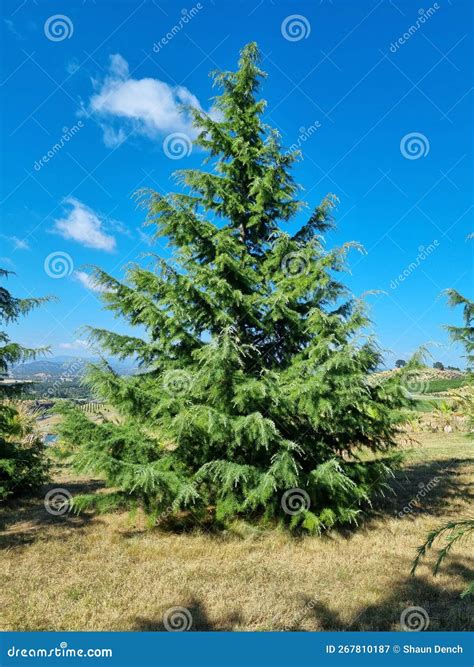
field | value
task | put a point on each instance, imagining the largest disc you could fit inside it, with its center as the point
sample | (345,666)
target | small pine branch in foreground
(453,532)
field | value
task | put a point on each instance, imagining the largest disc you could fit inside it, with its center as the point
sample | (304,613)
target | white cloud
(147,106)
(72,66)
(6,260)
(119,227)
(87,281)
(11,27)
(20,244)
(77,344)
(85,226)
(145,238)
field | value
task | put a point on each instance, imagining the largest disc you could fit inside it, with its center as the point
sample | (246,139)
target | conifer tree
(255,396)
(22,463)
(463,334)
(462,528)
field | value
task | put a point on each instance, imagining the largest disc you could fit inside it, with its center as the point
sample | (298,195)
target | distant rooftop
(7,382)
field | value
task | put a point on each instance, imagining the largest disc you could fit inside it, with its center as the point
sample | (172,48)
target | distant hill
(428,373)
(430,380)
(65,366)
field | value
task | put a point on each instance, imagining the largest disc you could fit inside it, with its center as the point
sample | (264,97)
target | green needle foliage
(453,532)
(463,334)
(462,529)
(256,377)
(22,463)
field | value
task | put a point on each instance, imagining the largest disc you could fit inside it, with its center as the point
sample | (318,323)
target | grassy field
(109,573)
(444,384)
(426,404)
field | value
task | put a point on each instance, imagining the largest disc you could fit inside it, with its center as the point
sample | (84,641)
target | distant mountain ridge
(60,366)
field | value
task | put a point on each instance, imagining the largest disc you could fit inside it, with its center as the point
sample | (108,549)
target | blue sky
(377,94)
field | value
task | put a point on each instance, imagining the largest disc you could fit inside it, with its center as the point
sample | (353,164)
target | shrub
(23,467)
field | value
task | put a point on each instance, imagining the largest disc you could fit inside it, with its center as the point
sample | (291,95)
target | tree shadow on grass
(23,520)
(191,616)
(443,609)
(429,486)
(421,488)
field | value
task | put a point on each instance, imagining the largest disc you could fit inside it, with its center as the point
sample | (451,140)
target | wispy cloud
(20,244)
(145,238)
(85,226)
(118,227)
(6,261)
(148,106)
(77,344)
(11,27)
(73,66)
(87,281)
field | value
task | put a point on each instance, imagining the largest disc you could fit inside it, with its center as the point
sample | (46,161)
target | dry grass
(103,573)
